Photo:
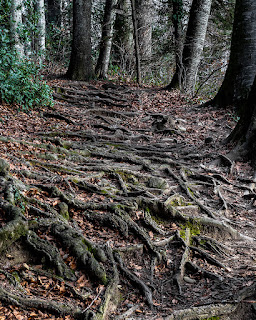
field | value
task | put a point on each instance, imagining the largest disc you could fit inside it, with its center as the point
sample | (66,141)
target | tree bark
(144,25)
(242,64)
(106,39)
(123,36)
(80,66)
(194,43)
(41,25)
(244,133)
(177,12)
(54,12)
(16,23)
(136,42)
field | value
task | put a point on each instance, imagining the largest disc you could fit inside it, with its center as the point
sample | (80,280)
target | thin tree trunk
(80,66)
(177,8)
(241,69)
(106,39)
(136,42)
(41,25)
(16,24)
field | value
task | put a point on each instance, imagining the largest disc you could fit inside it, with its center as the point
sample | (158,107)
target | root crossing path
(111,207)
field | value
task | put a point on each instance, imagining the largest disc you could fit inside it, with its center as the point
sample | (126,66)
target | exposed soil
(119,202)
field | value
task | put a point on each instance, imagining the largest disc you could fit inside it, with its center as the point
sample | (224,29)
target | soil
(123,168)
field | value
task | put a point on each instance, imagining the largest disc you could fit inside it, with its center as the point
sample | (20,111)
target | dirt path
(110,204)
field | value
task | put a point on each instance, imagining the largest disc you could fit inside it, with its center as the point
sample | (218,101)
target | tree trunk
(106,39)
(242,64)
(177,12)
(194,43)
(80,66)
(144,25)
(244,133)
(136,42)
(54,12)
(40,40)
(16,24)
(123,36)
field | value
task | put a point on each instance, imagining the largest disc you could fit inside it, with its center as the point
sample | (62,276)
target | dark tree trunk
(194,43)
(136,41)
(106,39)
(177,12)
(244,133)
(53,12)
(242,64)
(80,66)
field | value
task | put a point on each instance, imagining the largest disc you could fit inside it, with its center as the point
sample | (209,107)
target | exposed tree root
(203,312)
(46,305)
(97,211)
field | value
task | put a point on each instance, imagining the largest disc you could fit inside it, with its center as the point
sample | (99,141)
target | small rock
(159,183)
(189,280)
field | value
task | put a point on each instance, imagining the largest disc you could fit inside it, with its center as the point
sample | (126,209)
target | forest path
(115,189)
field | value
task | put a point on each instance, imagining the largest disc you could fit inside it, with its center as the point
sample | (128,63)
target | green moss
(16,276)
(190,191)
(158,220)
(64,210)
(104,191)
(175,201)
(213,318)
(193,226)
(128,177)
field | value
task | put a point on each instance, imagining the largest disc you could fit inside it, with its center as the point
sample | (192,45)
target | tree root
(79,247)
(139,283)
(111,296)
(77,184)
(203,312)
(45,248)
(179,275)
(44,305)
(15,228)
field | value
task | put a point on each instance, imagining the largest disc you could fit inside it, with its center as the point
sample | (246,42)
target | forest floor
(121,202)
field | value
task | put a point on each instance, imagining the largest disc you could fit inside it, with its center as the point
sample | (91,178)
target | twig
(88,307)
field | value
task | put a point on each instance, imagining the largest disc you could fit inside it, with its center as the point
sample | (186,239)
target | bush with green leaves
(20,79)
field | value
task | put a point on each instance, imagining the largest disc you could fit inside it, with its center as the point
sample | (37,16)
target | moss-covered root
(111,296)
(51,253)
(80,249)
(16,226)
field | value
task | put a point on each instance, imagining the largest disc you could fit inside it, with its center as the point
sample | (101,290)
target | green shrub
(20,79)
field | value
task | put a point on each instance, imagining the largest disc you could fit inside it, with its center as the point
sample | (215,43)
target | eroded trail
(110,206)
